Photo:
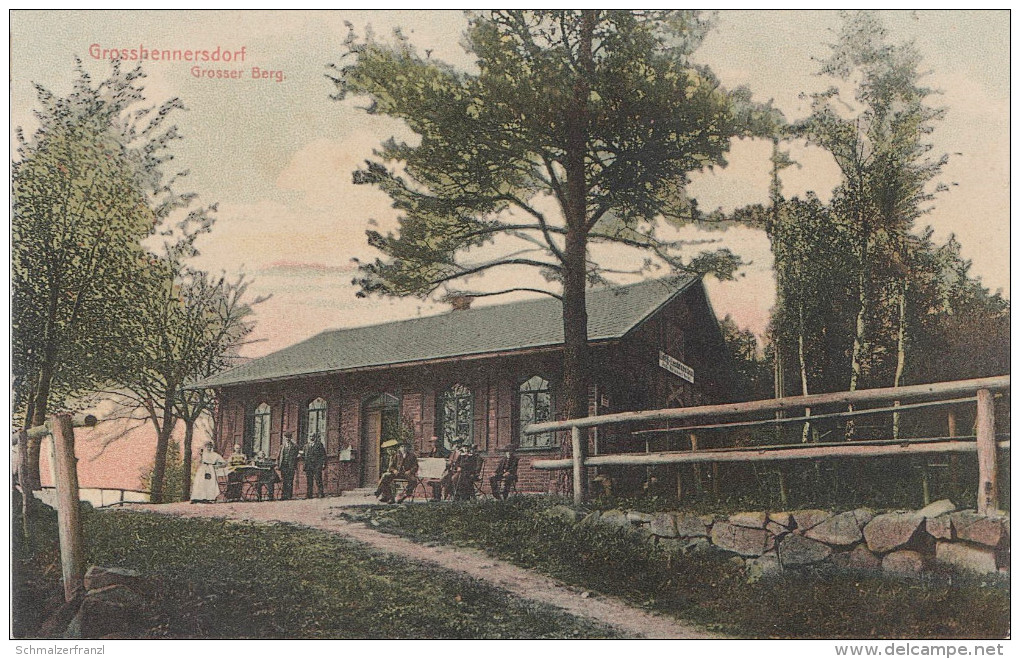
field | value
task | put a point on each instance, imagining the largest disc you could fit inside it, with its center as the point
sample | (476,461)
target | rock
(842,529)
(97,577)
(741,539)
(904,562)
(937,508)
(762,566)
(988,531)
(691,526)
(891,531)
(782,519)
(806,519)
(858,558)
(641,518)
(60,620)
(563,513)
(776,529)
(967,557)
(799,550)
(591,519)
(663,525)
(749,520)
(615,518)
(112,610)
(940,527)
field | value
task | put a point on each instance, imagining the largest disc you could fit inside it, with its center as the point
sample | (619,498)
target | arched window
(535,407)
(260,430)
(315,420)
(456,406)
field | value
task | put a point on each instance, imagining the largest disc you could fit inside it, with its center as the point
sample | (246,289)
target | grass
(217,579)
(709,588)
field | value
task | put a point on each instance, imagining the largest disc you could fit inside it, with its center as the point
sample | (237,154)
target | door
(370,450)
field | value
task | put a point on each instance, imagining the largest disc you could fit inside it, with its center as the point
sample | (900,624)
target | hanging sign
(676,367)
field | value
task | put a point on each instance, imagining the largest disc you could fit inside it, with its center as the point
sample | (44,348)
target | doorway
(381,417)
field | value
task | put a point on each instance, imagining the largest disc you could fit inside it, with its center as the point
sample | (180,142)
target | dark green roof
(612,312)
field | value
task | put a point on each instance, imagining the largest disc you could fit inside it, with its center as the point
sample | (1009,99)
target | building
(478,374)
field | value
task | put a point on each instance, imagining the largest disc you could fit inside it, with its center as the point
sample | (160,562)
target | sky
(276,153)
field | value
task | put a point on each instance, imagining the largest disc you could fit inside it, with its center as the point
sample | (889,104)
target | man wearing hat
(452,466)
(315,462)
(287,461)
(505,474)
(469,466)
(404,465)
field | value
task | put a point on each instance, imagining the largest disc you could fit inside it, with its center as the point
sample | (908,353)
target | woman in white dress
(205,487)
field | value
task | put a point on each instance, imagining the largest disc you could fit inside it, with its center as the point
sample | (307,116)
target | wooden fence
(980,391)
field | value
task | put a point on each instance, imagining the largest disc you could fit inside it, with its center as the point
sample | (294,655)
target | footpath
(324,514)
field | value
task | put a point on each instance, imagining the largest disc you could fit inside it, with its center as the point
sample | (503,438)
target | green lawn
(217,579)
(709,588)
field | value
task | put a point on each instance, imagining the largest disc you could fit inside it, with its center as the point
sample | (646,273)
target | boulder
(806,519)
(663,525)
(692,526)
(842,529)
(966,557)
(741,539)
(858,558)
(799,550)
(988,531)
(114,609)
(749,520)
(97,577)
(782,519)
(937,508)
(762,566)
(940,527)
(891,531)
(639,517)
(615,518)
(591,519)
(695,545)
(563,513)
(904,562)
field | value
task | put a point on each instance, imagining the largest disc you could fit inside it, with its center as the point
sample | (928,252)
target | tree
(87,188)
(579,128)
(878,135)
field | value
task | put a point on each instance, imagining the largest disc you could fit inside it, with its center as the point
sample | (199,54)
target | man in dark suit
(404,465)
(286,460)
(505,474)
(315,462)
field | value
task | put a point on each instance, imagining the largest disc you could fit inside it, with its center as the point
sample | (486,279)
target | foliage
(173,474)
(707,587)
(221,579)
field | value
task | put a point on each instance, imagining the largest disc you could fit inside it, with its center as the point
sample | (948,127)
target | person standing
(505,475)
(315,462)
(205,487)
(287,462)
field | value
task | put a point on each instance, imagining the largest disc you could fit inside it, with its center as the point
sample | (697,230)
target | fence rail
(979,390)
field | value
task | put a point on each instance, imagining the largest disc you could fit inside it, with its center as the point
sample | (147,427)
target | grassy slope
(710,589)
(230,580)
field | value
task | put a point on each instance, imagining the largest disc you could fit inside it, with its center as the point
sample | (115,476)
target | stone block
(799,550)
(741,539)
(806,519)
(749,520)
(762,566)
(591,519)
(858,558)
(940,527)
(639,517)
(988,531)
(97,577)
(905,562)
(967,557)
(781,519)
(615,518)
(691,526)
(663,525)
(937,508)
(843,529)
(891,531)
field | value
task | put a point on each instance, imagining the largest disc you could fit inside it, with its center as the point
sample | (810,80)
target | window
(457,412)
(535,407)
(260,430)
(315,421)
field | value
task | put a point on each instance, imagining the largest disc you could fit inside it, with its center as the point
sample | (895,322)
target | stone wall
(901,542)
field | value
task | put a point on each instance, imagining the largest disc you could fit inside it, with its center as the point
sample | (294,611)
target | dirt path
(323,514)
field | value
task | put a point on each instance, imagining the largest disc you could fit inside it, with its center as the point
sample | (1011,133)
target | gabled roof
(612,313)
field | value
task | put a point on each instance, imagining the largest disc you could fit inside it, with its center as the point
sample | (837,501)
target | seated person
(445,487)
(235,477)
(267,476)
(468,470)
(403,464)
(505,474)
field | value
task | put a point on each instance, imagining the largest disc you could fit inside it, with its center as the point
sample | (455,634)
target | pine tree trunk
(857,356)
(806,432)
(901,356)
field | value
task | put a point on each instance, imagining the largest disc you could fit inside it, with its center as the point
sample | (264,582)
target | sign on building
(676,367)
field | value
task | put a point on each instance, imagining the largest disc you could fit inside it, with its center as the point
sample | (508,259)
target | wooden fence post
(72,555)
(575,444)
(988,476)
